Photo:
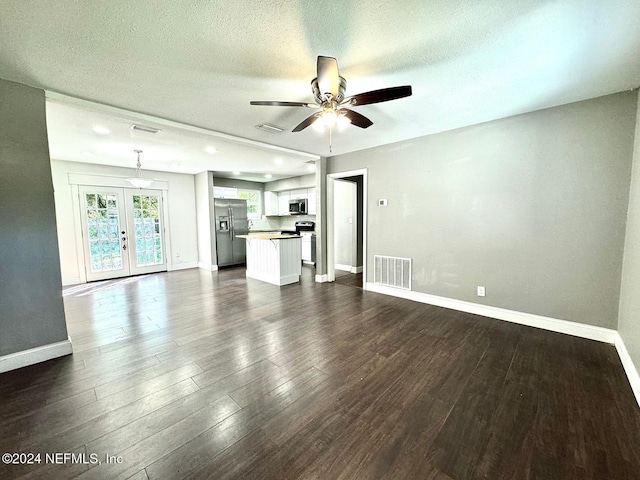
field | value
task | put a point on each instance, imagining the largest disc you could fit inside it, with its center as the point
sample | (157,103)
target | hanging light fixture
(139,181)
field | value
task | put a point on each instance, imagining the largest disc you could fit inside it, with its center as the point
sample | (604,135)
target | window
(253,198)
(254,203)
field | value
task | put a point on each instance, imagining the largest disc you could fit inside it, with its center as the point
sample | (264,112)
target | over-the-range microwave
(298,207)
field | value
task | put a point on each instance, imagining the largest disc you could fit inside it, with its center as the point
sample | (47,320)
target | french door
(122,232)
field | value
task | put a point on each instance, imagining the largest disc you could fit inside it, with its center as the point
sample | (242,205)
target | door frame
(123,224)
(331,178)
(82,179)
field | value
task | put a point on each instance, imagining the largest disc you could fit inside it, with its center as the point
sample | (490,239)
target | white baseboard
(35,355)
(582,330)
(348,268)
(70,281)
(322,278)
(182,266)
(274,280)
(204,266)
(629,367)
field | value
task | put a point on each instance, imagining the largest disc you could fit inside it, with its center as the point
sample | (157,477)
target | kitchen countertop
(268,236)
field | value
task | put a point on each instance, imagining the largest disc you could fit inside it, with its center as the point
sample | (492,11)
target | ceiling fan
(328,90)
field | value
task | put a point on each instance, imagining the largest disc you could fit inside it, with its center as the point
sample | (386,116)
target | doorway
(346,227)
(122,232)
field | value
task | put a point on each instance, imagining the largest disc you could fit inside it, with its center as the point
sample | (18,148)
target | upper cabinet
(271,204)
(298,194)
(277,203)
(283,203)
(225,192)
(311,201)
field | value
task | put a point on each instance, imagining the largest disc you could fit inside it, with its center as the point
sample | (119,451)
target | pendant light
(139,181)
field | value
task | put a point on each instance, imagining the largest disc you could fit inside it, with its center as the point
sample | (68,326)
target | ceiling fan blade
(282,104)
(307,121)
(377,96)
(328,77)
(357,119)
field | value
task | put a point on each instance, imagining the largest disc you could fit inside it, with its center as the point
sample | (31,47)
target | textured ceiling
(201,62)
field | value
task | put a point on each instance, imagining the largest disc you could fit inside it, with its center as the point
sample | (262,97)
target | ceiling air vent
(267,127)
(144,128)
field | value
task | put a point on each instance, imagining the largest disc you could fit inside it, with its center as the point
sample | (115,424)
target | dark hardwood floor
(346,278)
(192,374)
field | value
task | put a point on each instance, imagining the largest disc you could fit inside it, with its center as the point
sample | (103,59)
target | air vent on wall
(144,128)
(392,271)
(267,127)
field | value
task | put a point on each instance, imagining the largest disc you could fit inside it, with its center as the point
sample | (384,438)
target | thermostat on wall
(382,202)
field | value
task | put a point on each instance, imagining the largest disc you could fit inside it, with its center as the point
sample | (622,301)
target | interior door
(103,228)
(122,231)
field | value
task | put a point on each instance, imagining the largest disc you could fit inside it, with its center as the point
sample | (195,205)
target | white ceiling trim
(108,109)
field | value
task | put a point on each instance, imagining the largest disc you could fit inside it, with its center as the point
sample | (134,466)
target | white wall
(181,209)
(344,194)
(204,216)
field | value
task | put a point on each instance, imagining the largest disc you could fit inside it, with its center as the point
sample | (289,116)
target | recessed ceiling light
(101,130)
(210,150)
(235,172)
(89,154)
(268,175)
(278,161)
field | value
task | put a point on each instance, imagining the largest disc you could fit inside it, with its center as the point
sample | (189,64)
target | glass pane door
(144,214)
(122,231)
(103,221)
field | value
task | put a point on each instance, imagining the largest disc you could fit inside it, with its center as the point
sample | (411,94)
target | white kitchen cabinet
(311,201)
(298,194)
(225,192)
(283,203)
(306,247)
(271,204)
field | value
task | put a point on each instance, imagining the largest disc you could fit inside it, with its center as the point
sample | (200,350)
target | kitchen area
(269,227)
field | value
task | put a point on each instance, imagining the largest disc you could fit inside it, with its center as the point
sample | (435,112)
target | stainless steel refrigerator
(231,220)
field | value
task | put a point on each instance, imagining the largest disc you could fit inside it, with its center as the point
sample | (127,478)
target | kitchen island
(274,258)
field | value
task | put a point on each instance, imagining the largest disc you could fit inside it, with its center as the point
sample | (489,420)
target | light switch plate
(382,202)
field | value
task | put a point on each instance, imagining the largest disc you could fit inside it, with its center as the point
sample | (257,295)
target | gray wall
(235,183)
(304,181)
(31,308)
(532,207)
(629,319)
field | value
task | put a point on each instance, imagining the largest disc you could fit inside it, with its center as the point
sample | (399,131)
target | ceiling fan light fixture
(139,181)
(342,122)
(329,118)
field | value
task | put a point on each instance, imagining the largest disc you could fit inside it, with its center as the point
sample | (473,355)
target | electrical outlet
(481,291)
(382,202)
